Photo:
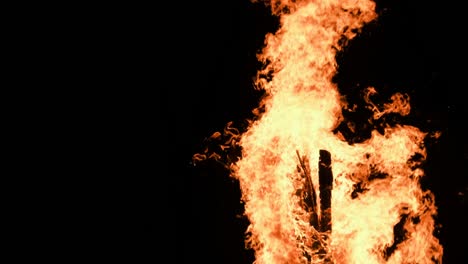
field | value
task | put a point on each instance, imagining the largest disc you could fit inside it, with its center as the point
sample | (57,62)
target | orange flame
(379,213)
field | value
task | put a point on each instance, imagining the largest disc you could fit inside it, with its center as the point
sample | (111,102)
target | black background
(414,47)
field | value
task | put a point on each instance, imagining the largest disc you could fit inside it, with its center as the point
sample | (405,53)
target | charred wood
(325,185)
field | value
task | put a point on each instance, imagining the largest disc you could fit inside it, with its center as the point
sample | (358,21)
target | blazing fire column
(372,207)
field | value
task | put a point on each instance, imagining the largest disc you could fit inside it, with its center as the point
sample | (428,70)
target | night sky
(411,48)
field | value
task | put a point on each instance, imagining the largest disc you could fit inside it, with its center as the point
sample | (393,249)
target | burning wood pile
(320,216)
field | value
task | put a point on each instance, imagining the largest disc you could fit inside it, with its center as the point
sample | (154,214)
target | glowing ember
(378,211)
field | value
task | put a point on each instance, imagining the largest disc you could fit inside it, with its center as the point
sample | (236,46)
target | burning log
(325,185)
(309,201)
(308,195)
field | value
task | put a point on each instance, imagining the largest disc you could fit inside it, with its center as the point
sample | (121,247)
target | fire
(309,195)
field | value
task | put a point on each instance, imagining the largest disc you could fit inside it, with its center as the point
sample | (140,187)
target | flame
(379,212)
